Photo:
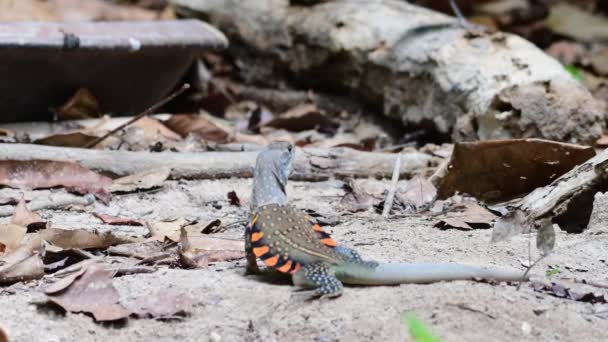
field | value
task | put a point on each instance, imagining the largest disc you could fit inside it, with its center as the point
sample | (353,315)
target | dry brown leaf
(141,181)
(419,192)
(24,263)
(139,250)
(92,292)
(114,220)
(301,118)
(3,335)
(82,105)
(35,174)
(502,169)
(251,139)
(80,238)
(360,196)
(153,129)
(573,22)
(467,216)
(68,276)
(74,139)
(24,217)
(198,251)
(25,10)
(512,223)
(185,124)
(11,236)
(29,269)
(163,304)
(167,229)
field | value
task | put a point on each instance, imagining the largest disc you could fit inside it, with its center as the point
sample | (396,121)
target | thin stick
(390,197)
(464,23)
(148,111)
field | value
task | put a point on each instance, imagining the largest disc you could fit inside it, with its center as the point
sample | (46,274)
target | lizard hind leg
(348,252)
(320,278)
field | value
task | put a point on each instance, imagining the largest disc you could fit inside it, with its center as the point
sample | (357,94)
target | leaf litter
(38,174)
(26,218)
(199,251)
(90,291)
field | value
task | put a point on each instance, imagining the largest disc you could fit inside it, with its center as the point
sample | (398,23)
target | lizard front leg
(321,278)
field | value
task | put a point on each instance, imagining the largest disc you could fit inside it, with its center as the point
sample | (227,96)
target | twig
(463,306)
(132,270)
(464,23)
(50,204)
(390,197)
(154,258)
(84,253)
(587,282)
(148,111)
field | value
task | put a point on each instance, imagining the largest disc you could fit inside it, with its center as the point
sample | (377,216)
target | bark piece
(502,169)
(417,65)
(311,164)
(567,201)
(598,222)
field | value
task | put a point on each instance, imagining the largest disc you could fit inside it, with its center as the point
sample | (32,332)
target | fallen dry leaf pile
(72,258)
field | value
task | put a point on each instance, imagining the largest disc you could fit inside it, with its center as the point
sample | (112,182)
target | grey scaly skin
(288,241)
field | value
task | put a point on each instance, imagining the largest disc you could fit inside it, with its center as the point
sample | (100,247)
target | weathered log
(414,64)
(311,164)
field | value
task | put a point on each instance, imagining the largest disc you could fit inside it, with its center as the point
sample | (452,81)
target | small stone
(526,328)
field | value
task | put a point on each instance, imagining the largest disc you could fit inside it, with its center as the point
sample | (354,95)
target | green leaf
(419,331)
(576,73)
(551,271)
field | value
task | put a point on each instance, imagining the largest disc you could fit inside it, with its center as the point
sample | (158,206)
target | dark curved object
(126,65)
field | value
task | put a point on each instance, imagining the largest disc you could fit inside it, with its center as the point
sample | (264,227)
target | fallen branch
(311,164)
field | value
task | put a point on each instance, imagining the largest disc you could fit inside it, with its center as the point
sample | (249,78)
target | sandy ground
(233,307)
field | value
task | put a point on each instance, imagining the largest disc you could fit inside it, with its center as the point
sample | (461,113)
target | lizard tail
(394,274)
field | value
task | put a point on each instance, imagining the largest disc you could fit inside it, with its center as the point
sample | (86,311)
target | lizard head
(272,169)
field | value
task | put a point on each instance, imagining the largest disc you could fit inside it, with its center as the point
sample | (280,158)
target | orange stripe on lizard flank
(317,228)
(259,251)
(272,261)
(285,268)
(329,242)
(255,237)
(296,269)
